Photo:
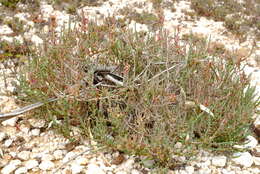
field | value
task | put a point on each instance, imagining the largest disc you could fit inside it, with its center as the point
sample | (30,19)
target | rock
(21,170)
(10,122)
(35,132)
(243,158)
(126,166)
(36,40)
(14,164)
(121,172)
(3,135)
(13,154)
(219,161)
(58,154)
(76,168)
(47,157)
(24,155)
(204,170)
(256,160)
(46,165)
(134,171)
(68,157)
(178,145)
(225,171)
(81,160)
(8,143)
(256,151)
(5,30)
(189,169)
(93,168)
(24,128)
(37,123)
(31,164)
(250,143)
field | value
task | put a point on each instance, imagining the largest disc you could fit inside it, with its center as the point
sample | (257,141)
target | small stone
(3,135)
(35,132)
(134,171)
(13,154)
(47,157)
(58,154)
(225,171)
(46,165)
(243,158)
(93,168)
(256,160)
(36,123)
(255,170)
(82,160)
(21,170)
(121,172)
(24,155)
(8,143)
(10,122)
(24,128)
(189,169)
(219,161)
(128,165)
(36,40)
(256,151)
(11,167)
(204,170)
(76,168)
(250,143)
(4,29)
(68,156)
(178,145)
(31,164)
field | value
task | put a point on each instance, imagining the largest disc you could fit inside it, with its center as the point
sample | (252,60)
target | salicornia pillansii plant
(174,89)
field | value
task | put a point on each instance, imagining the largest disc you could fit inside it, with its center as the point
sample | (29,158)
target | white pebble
(126,166)
(68,156)
(35,132)
(24,155)
(21,170)
(8,143)
(243,158)
(219,161)
(4,29)
(134,171)
(11,167)
(24,128)
(36,123)
(93,168)
(121,172)
(178,145)
(256,160)
(46,165)
(47,157)
(31,164)
(10,122)
(13,154)
(58,154)
(3,135)
(225,171)
(76,168)
(82,160)
(189,169)
(250,143)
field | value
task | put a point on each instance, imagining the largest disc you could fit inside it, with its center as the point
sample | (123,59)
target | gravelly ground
(28,146)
